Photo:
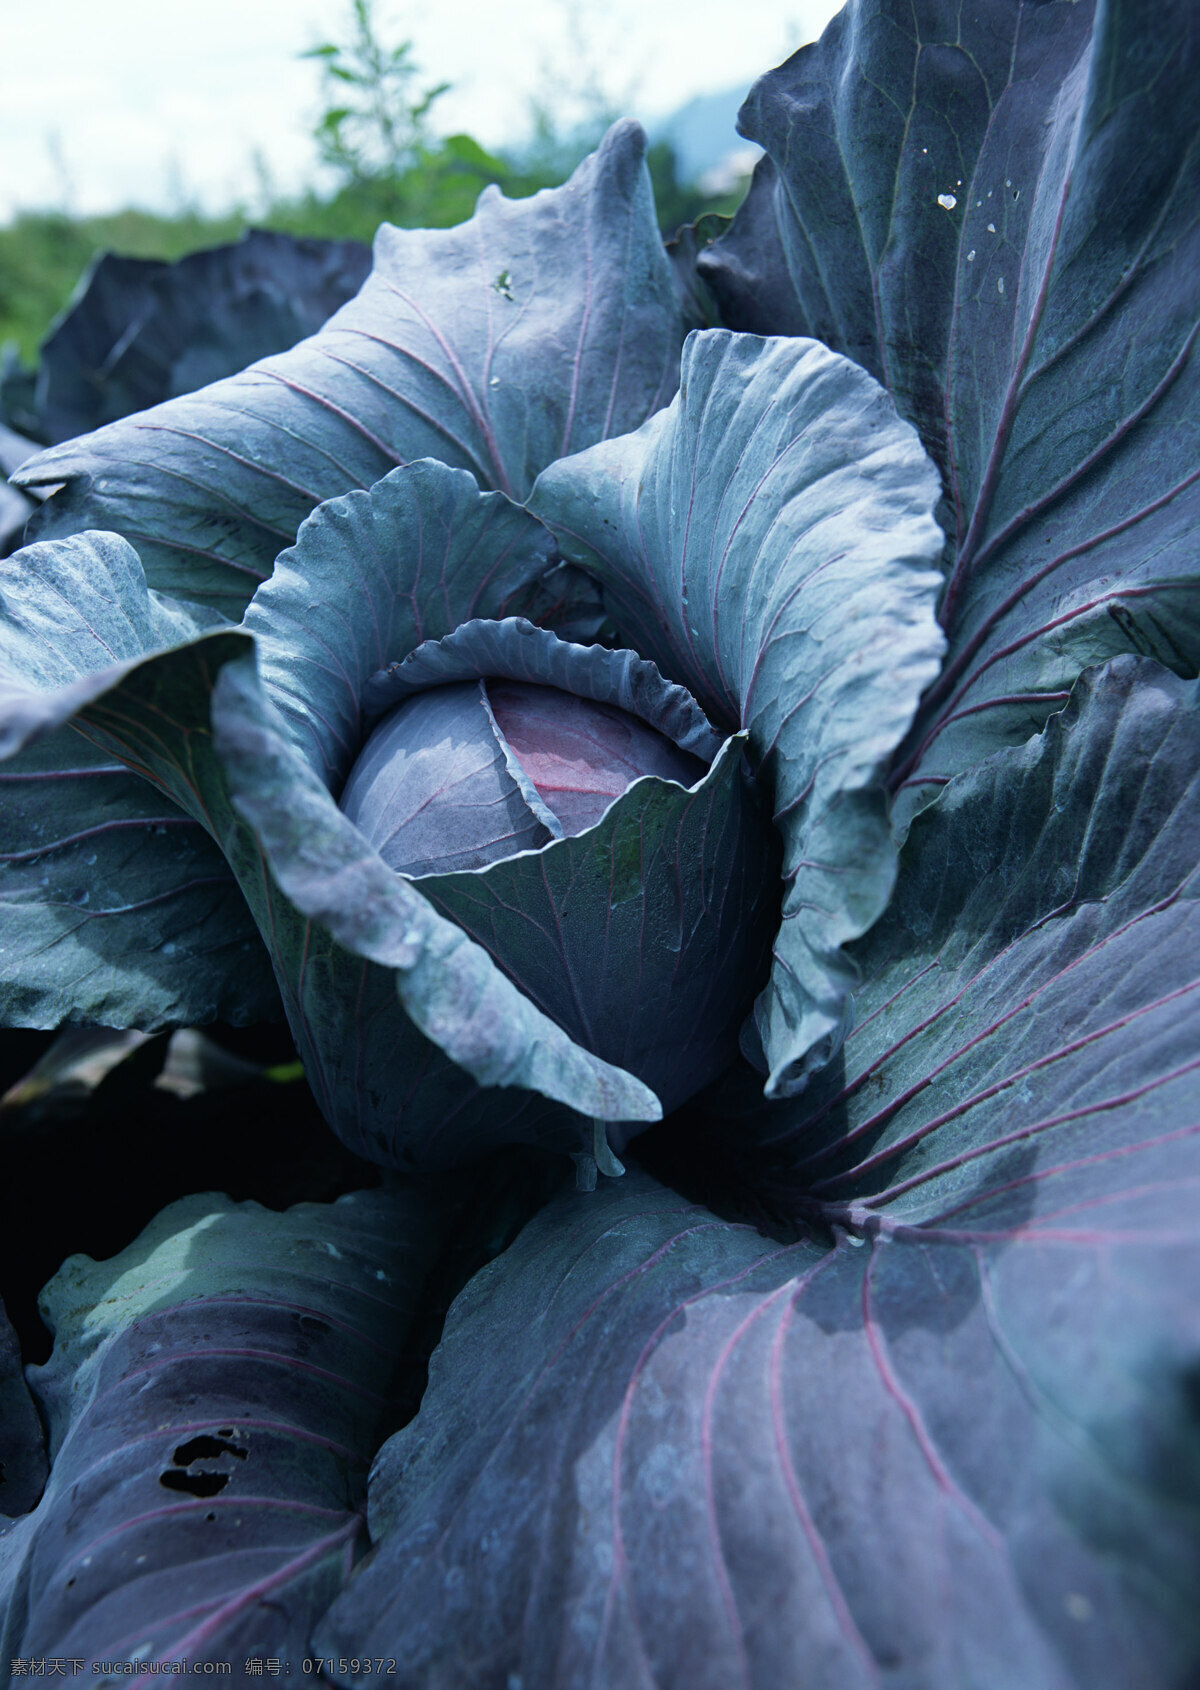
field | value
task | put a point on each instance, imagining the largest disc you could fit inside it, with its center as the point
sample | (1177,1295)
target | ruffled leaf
(434,358)
(115,905)
(518,651)
(371,577)
(1032,994)
(339,886)
(466,1026)
(995,213)
(767,541)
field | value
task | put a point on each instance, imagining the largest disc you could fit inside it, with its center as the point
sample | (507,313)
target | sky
(158,103)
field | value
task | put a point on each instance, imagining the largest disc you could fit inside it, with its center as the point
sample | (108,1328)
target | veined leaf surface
(997,213)
(949,1435)
(768,541)
(214,1397)
(533,330)
(115,905)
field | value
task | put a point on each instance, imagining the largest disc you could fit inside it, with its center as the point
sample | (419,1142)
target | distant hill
(704,135)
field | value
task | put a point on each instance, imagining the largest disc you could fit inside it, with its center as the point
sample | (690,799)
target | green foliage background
(375,139)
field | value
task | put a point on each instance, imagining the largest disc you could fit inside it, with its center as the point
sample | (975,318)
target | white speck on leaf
(991,228)
(999,284)
(947,202)
(971,256)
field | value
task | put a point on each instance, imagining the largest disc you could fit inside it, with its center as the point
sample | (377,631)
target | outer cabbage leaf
(767,540)
(342,909)
(1032,992)
(140,330)
(959,1446)
(535,329)
(995,212)
(213,1398)
(115,905)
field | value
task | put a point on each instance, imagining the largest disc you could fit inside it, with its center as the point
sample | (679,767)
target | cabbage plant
(584,684)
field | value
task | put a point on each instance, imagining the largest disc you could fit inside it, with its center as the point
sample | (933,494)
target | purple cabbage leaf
(995,212)
(351,941)
(668,885)
(214,1397)
(376,575)
(141,330)
(534,329)
(941,1427)
(948,1435)
(768,541)
(116,906)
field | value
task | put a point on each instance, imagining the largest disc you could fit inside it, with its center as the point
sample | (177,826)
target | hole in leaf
(195,1484)
(210,1516)
(206,1448)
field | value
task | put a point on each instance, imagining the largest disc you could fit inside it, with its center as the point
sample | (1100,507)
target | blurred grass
(43,254)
